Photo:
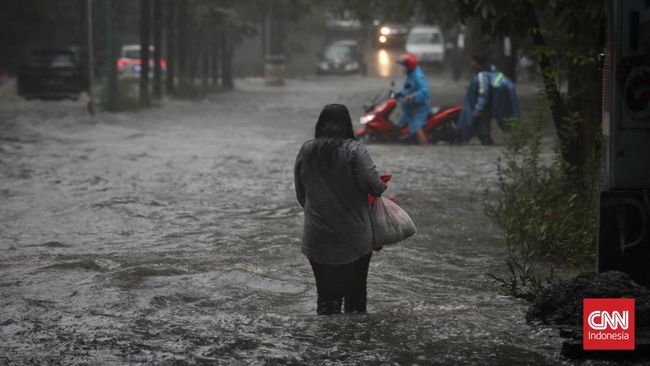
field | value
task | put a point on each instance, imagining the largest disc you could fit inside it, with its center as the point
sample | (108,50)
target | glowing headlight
(382,39)
(385,31)
(367,118)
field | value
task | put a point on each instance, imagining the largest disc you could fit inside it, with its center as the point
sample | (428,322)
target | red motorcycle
(377,126)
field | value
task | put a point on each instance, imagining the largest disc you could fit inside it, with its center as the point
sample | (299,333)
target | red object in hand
(384,178)
(378,249)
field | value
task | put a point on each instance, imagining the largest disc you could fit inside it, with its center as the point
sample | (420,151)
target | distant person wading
(333,177)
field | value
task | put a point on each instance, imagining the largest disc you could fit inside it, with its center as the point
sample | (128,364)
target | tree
(111,48)
(170,40)
(145,29)
(181,40)
(565,41)
(157,44)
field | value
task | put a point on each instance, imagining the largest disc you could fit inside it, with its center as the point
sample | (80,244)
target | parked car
(427,43)
(392,35)
(129,63)
(52,73)
(341,57)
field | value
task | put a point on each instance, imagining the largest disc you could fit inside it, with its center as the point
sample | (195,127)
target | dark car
(341,57)
(52,73)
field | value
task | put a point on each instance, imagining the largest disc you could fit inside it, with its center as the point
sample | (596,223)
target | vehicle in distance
(129,63)
(341,57)
(52,73)
(427,44)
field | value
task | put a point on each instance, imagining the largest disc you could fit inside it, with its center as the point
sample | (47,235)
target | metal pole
(91,60)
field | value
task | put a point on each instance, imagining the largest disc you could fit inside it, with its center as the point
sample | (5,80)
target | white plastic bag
(390,224)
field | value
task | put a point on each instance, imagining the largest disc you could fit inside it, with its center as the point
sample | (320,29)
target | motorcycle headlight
(366,118)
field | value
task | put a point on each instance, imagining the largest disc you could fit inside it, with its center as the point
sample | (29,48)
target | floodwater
(172,236)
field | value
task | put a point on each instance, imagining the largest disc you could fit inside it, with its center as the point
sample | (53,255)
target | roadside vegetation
(546,211)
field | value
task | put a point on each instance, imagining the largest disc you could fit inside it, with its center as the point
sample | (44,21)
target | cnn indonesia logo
(608,324)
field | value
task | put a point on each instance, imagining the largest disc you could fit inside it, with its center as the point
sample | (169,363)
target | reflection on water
(383,63)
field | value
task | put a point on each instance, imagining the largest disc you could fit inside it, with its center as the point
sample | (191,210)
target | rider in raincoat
(414,98)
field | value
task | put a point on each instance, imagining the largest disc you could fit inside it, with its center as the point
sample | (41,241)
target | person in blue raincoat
(414,98)
(490,94)
(475,117)
(505,103)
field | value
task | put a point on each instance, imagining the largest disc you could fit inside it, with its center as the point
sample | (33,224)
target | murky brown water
(172,236)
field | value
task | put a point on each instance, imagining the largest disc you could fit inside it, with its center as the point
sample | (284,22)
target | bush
(546,210)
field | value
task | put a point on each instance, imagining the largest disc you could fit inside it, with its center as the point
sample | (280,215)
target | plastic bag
(390,224)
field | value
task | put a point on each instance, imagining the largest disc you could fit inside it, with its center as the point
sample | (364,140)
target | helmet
(409,60)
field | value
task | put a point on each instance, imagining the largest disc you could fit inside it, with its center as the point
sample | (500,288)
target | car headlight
(323,65)
(352,66)
(366,118)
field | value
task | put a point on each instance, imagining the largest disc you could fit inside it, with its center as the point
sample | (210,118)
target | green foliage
(547,217)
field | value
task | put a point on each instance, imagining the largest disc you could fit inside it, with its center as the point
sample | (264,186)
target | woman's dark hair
(334,126)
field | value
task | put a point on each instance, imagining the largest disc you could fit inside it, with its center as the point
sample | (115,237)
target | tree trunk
(171,43)
(568,149)
(157,44)
(205,68)
(215,64)
(193,54)
(510,61)
(225,52)
(112,94)
(585,97)
(181,21)
(145,26)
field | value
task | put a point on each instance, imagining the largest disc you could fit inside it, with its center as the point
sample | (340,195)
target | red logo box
(608,324)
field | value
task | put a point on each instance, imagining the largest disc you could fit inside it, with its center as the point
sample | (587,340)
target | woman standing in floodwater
(333,177)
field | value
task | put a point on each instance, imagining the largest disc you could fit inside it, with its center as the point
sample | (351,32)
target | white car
(427,43)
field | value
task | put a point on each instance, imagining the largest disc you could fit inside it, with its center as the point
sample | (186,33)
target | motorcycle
(377,126)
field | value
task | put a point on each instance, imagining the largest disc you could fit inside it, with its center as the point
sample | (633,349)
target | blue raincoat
(476,99)
(505,103)
(492,93)
(416,110)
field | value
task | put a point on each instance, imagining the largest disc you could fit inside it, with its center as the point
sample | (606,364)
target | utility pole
(91,59)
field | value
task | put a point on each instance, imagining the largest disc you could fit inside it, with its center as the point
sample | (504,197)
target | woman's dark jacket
(335,200)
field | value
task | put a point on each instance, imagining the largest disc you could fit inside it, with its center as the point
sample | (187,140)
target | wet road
(172,235)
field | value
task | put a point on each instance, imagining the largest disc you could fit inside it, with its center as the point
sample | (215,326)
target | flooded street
(172,236)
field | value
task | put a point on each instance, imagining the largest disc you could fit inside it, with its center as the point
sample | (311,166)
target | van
(427,44)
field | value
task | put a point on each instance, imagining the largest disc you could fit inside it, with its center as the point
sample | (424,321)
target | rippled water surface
(172,235)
